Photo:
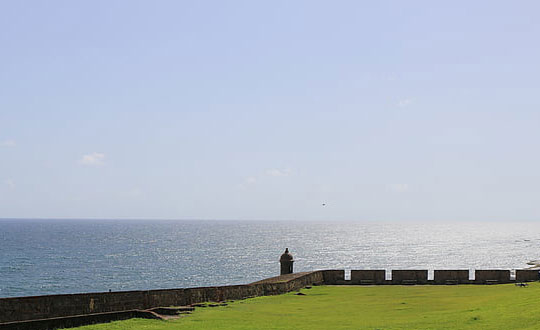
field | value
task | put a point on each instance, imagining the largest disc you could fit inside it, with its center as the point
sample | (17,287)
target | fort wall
(68,310)
(526,275)
(334,276)
(368,276)
(452,276)
(409,276)
(492,276)
(54,306)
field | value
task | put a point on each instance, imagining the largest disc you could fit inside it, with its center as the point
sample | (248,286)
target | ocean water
(40,257)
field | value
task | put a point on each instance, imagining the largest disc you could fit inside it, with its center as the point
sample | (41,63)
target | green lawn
(377,307)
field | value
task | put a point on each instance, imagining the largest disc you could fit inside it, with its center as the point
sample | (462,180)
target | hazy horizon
(434,222)
(387,111)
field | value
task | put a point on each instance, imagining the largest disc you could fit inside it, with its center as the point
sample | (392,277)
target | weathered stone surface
(488,276)
(420,276)
(287,277)
(526,275)
(77,320)
(460,276)
(333,276)
(54,306)
(368,276)
(171,310)
(49,312)
(286,262)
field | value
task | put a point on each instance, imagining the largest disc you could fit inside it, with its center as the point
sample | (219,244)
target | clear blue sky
(383,110)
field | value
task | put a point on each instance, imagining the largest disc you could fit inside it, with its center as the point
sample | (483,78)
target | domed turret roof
(286,256)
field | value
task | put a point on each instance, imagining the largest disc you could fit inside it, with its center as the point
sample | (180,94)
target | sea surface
(40,257)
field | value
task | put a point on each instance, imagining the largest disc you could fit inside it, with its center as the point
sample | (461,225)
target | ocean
(39,257)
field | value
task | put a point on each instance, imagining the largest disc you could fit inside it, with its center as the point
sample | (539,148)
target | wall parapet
(526,275)
(411,276)
(451,276)
(492,276)
(368,276)
(53,311)
(23,309)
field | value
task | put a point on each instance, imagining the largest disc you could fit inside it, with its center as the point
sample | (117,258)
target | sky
(252,110)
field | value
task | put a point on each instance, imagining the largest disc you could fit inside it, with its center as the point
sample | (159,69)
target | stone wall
(405,276)
(334,276)
(53,311)
(526,275)
(368,276)
(53,306)
(447,276)
(486,276)
(76,321)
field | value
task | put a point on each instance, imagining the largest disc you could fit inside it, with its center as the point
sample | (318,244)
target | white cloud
(405,102)
(93,159)
(277,172)
(7,143)
(399,187)
(249,181)
(10,183)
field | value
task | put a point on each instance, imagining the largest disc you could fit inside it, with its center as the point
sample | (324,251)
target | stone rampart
(492,276)
(334,276)
(54,311)
(526,275)
(58,306)
(77,320)
(368,276)
(451,276)
(409,276)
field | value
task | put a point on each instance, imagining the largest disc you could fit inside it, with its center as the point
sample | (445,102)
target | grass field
(377,307)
